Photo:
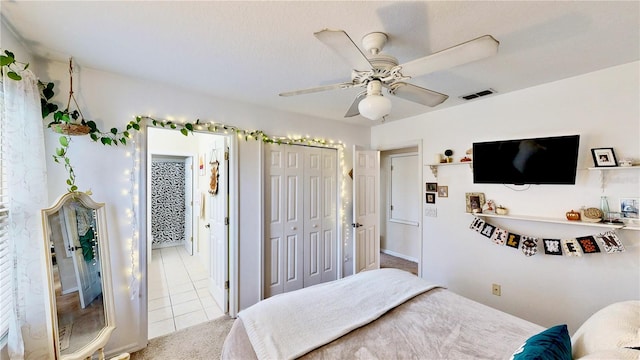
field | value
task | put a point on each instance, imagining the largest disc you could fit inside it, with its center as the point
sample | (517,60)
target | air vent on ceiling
(478,94)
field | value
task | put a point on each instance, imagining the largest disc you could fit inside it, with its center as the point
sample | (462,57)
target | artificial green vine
(115,136)
(187,127)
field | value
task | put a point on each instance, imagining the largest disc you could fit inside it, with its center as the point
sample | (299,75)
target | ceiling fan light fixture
(374,106)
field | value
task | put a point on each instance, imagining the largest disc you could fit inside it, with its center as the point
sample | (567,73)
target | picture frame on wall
(629,207)
(431,198)
(432,186)
(604,157)
(474,201)
(443,191)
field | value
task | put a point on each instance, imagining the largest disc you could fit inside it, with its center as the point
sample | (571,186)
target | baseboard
(402,256)
(130,348)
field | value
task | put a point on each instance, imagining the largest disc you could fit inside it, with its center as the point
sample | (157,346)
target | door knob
(356,225)
(207,226)
(294,228)
(315,225)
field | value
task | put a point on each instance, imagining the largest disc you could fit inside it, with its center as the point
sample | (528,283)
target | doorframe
(404,145)
(184,156)
(140,156)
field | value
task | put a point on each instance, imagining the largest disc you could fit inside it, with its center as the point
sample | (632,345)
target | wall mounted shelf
(559,221)
(434,167)
(605,170)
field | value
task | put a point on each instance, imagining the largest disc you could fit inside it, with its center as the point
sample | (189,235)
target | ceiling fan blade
(344,85)
(342,44)
(466,52)
(353,110)
(417,94)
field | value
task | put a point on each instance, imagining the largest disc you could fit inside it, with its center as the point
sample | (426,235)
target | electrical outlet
(496,289)
(431,212)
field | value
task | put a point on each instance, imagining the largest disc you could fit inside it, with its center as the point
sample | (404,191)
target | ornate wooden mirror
(80,289)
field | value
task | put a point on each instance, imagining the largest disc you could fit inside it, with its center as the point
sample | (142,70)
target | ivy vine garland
(115,136)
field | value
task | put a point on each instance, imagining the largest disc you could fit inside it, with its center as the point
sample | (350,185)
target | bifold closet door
(300,206)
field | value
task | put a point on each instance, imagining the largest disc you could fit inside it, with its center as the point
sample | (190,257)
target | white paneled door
(219,226)
(366,200)
(188,204)
(300,212)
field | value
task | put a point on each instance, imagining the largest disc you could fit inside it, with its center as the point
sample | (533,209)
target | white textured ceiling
(251,51)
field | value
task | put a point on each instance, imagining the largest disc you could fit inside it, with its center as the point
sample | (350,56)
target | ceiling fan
(377,70)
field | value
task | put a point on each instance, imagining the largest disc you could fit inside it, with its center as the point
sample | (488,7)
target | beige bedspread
(438,324)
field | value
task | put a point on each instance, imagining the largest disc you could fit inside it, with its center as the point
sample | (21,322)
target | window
(5,258)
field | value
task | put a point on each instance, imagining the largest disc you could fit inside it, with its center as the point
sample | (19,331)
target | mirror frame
(98,343)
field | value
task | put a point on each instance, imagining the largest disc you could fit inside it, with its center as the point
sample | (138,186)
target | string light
(133,174)
(134,273)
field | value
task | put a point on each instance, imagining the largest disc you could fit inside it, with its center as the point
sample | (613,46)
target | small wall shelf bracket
(434,167)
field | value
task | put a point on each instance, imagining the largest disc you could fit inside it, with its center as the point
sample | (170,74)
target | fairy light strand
(217,128)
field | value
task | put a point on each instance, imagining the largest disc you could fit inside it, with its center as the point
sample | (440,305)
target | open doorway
(401,207)
(186,260)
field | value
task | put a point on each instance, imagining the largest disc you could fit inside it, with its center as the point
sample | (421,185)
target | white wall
(113,100)
(603,108)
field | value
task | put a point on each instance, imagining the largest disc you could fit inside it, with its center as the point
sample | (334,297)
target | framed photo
(431,198)
(432,187)
(443,191)
(474,201)
(604,157)
(629,208)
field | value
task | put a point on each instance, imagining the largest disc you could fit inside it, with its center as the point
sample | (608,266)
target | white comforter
(290,325)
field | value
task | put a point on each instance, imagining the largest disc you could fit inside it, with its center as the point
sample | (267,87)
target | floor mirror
(79,273)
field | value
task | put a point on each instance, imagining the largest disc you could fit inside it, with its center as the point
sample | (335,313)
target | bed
(392,314)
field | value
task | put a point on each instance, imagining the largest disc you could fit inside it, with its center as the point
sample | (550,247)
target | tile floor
(178,295)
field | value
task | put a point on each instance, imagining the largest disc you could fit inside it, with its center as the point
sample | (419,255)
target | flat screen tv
(547,160)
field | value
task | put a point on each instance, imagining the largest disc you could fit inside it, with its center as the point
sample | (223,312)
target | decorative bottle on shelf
(604,206)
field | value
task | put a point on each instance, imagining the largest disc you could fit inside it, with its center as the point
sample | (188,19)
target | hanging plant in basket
(66,122)
(70,129)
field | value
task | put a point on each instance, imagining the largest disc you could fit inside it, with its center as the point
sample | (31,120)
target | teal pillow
(553,343)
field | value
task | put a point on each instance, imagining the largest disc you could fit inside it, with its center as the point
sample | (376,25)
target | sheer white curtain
(24,155)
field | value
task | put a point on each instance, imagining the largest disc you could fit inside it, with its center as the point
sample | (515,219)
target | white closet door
(301,217)
(329,215)
(274,210)
(284,212)
(313,244)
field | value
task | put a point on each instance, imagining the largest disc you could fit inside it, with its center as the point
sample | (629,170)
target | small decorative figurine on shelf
(501,210)
(448,153)
(467,157)
(573,215)
(489,207)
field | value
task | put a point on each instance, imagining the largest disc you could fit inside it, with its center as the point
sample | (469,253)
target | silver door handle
(356,225)
(207,226)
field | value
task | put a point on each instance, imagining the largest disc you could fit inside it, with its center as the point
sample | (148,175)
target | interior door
(366,200)
(219,224)
(188,204)
(87,271)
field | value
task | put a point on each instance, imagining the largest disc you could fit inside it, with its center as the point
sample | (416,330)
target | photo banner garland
(607,242)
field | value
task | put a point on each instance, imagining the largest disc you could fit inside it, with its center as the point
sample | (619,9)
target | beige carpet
(203,341)
(389,261)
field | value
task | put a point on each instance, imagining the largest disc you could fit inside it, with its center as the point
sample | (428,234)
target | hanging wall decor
(607,242)
(213,184)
